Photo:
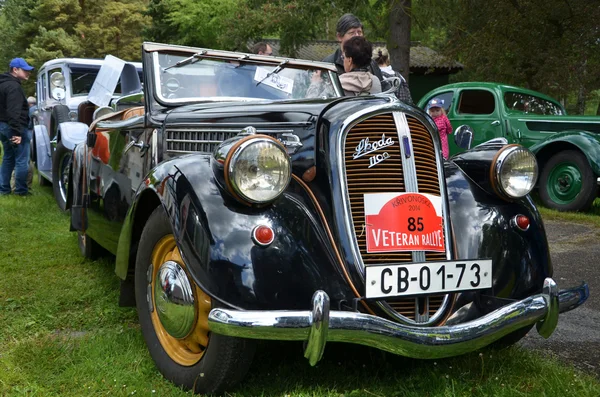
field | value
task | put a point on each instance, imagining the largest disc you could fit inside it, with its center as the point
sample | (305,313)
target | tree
(545,45)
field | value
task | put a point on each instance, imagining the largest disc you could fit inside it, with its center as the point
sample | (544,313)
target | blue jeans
(15,158)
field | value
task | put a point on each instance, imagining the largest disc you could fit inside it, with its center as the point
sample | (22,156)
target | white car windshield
(204,79)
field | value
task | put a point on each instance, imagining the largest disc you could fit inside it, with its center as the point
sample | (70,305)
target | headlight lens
(515,171)
(259,170)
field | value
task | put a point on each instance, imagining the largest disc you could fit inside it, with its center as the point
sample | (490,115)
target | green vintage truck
(567,147)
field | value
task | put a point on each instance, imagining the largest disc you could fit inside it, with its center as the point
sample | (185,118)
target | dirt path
(575,252)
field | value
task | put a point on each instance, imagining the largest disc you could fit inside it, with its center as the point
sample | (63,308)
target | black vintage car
(248,199)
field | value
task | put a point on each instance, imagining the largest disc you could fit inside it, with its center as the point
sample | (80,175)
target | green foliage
(551,46)
(113,27)
(50,44)
(40,30)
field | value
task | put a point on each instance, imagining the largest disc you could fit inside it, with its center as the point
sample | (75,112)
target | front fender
(483,227)
(588,143)
(214,235)
(72,133)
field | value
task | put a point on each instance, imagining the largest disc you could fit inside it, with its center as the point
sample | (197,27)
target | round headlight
(258,169)
(57,80)
(514,171)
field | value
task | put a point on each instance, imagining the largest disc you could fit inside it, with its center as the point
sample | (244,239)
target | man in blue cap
(14,135)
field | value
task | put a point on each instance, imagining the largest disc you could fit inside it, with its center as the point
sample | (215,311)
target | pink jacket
(445,129)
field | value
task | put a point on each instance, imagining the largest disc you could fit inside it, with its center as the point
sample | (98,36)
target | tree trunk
(580,100)
(398,42)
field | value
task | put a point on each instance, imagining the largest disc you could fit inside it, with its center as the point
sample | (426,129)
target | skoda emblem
(406,144)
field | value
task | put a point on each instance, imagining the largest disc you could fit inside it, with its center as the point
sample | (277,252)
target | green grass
(63,334)
(592,216)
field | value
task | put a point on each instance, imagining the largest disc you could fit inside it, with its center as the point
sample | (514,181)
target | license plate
(384,281)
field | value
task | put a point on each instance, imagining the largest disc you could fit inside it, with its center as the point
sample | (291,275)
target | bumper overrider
(322,325)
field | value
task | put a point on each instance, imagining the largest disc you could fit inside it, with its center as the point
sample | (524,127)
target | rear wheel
(567,182)
(61,166)
(175,327)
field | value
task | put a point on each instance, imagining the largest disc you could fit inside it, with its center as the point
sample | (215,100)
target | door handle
(496,122)
(141,145)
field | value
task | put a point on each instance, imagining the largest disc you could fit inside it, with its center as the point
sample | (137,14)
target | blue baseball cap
(21,64)
(434,103)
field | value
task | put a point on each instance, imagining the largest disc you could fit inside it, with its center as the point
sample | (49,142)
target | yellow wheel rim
(189,350)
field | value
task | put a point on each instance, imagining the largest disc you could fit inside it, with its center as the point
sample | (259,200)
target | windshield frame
(242,58)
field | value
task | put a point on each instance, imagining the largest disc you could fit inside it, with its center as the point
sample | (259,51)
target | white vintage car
(63,86)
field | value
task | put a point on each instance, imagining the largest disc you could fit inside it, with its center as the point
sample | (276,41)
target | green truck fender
(569,164)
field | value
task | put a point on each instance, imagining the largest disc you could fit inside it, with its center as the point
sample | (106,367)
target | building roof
(423,60)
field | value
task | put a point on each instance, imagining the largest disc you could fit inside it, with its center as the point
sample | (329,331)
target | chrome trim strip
(411,186)
(230,130)
(559,121)
(410,341)
(130,122)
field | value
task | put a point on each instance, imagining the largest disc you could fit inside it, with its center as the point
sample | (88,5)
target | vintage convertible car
(248,199)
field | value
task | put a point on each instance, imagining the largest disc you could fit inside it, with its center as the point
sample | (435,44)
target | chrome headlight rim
(233,156)
(496,170)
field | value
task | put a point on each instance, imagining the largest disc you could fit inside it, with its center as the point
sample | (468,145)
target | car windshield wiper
(278,69)
(187,61)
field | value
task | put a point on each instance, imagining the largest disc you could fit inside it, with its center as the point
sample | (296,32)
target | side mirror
(463,136)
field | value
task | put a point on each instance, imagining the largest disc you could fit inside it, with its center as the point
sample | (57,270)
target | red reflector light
(522,222)
(263,235)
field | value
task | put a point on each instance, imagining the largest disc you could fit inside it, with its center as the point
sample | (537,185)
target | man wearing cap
(347,27)
(14,135)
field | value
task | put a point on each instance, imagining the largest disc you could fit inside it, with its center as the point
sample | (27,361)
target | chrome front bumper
(320,325)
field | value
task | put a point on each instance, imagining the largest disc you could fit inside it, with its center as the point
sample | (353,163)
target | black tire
(61,164)
(213,368)
(88,247)
(60,114)
(512,338)
(567,182)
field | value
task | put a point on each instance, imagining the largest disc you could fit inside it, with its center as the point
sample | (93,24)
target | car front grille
(388,176)
(192,140)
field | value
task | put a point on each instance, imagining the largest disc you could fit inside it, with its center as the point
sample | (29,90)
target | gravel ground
(575,253)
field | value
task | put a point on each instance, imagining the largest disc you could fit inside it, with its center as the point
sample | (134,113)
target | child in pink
(437,112)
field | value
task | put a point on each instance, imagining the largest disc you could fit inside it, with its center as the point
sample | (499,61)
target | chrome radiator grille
(184,140)
(195,140)
(388,176)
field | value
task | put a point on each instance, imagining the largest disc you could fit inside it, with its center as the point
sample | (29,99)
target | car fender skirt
(319,325)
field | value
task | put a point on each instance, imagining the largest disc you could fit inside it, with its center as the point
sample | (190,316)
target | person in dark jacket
(14,135)
(347,27)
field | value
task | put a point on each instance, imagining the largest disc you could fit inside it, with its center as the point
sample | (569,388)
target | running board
(46,175)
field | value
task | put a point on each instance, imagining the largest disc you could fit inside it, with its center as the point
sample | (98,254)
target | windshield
(523,103)
(82,80)
(217,79)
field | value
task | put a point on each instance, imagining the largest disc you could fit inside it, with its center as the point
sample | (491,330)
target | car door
(478,108)
(43,95)
(116,168)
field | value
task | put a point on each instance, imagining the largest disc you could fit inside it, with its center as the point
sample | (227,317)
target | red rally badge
(398,222)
